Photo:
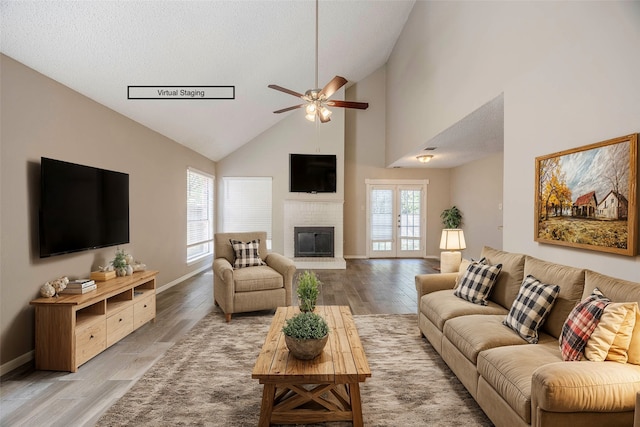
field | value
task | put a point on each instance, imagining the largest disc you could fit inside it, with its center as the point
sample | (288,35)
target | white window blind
(382,214)
(247,205)
(199,215)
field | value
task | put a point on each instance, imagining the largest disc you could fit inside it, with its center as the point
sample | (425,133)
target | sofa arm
(427,283)
(286,268)
(585,387)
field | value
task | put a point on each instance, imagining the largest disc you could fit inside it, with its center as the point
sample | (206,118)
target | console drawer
(144,310)
(90,340)
(119,325)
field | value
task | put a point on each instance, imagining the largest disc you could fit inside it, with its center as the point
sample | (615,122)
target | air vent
(430,148)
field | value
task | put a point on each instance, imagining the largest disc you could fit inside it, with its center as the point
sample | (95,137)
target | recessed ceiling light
(424,158)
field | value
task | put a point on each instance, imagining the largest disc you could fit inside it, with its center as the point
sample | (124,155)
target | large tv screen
(81,208)
(312,173)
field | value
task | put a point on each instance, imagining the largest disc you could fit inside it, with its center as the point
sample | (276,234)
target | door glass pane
(381,219)
(410,203)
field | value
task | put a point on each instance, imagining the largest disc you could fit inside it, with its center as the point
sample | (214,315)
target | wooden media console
(71,329)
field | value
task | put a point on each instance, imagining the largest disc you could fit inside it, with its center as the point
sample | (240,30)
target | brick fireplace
(320,215)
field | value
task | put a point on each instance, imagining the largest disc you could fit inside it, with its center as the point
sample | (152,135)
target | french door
(396,219)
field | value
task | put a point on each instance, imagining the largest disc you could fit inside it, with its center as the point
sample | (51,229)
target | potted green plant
(306,335)
(451,218)
(308,290)
(120,263)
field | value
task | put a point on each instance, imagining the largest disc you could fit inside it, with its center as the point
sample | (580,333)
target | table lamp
(451,241)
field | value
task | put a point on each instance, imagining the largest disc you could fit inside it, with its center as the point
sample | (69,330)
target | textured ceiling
(98,48)
(479,134)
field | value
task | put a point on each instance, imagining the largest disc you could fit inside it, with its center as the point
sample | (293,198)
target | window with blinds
(381,219)
(199,215)
(247,205)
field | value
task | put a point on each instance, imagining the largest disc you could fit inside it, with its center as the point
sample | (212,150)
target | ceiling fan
(317,100)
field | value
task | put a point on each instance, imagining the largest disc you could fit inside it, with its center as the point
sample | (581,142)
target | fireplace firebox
(313,242)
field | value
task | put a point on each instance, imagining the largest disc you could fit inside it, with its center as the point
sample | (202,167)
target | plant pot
(305,349)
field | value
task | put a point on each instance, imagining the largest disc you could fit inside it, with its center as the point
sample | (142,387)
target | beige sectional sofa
(517,383)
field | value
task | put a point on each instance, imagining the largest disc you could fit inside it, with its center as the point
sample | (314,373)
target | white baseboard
(27,357)
(366,257)
(16,363)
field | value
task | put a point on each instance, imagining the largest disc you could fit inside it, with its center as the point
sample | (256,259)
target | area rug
(205,379)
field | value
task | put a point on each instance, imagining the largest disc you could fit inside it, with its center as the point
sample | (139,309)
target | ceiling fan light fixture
(311,108)
(425,158)
(316,100)
(325,112)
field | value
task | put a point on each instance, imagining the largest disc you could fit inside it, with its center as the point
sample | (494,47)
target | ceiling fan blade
(284,110)
(336,83)
(349,104)
(285,90)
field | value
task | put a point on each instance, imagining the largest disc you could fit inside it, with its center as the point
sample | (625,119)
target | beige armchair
(250,288)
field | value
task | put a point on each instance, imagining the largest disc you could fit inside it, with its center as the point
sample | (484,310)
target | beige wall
(364,159)
(476,189)
(568,71)
(268,155)
(586,91)
(41,117)
(453,57)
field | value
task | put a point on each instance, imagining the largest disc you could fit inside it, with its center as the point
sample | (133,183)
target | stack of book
(80,286)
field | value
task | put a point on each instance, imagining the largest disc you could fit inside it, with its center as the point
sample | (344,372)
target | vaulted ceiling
(98,48)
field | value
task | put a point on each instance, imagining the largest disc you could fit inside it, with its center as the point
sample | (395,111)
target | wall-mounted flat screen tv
(312,173)
(81,208)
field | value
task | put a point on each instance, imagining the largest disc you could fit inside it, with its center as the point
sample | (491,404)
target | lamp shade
(452,239)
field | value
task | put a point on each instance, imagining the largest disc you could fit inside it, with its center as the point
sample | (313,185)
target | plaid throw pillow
(580,324)
(531,307)
(477,281)
(246,253)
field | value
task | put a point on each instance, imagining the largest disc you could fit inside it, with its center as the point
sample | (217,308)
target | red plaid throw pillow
(580,324)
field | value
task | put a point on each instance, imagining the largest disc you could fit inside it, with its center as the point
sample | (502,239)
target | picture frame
(586,197)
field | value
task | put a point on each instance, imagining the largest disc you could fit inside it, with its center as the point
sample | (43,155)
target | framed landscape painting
(586,197)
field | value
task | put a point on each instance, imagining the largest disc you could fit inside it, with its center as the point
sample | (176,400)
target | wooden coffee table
(326,388)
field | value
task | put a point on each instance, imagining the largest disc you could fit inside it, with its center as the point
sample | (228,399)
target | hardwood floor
(42,398)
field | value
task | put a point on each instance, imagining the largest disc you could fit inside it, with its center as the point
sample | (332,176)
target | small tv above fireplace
(312,173)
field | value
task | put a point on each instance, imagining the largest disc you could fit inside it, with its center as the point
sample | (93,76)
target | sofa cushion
(259,278)
(509,369)
(441,306)
(612,337)
(571,282)
(477,281)
(510,278)
(617,290)
(580,324)
(246,253)
(531,307)
(475,333)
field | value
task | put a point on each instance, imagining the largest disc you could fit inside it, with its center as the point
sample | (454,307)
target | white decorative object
(47,290)
(58,285)
(452,241)
(138,266)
